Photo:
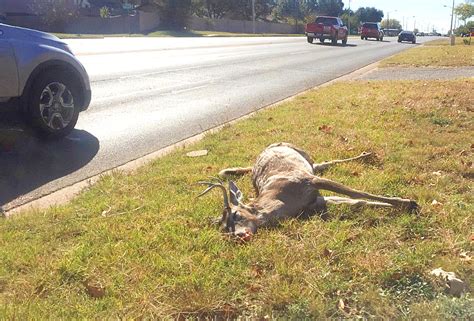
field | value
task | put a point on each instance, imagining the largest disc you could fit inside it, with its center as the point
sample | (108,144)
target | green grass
(170,33)
(142,246)
(436,53)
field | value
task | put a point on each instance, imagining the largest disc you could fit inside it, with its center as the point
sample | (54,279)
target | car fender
(33,58)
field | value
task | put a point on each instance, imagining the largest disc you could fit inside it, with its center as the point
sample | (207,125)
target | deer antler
(227,216)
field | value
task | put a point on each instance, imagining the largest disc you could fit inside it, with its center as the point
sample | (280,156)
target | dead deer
(286,186)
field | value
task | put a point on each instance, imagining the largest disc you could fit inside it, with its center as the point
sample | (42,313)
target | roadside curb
(66,194)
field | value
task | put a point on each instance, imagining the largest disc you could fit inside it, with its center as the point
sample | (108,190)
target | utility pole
(453,38)
(414,23)
(253,16)
(349,21)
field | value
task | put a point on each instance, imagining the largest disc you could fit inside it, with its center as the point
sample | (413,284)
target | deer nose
(245,236)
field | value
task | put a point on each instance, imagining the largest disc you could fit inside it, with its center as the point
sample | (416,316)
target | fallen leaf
(95,290)
(436,203)
(463,152)
(325,129)
(327,252)
(197,153)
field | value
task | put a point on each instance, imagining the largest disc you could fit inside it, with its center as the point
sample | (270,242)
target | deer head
(237,219)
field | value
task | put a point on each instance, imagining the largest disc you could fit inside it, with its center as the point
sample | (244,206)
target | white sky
(428,13)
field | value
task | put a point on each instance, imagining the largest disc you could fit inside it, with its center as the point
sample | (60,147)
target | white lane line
(188,89)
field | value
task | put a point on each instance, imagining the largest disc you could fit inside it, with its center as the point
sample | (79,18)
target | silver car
(40,75)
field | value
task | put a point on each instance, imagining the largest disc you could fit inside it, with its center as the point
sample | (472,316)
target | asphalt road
(149,93)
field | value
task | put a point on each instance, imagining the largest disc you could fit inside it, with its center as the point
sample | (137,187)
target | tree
(369,14)
(54,13)
(351,19)
(330,7)
(289,10)
(213,9)
(242,9)
(392,24)
(175,13)
(464,11)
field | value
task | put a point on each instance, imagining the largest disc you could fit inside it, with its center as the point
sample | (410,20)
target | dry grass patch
(142,245)
(437,53)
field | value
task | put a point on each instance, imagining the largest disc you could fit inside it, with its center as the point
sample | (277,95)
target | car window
(327,21)
(370,25)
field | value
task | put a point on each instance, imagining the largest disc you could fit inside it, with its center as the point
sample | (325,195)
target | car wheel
(334,40)
(344,41)
(53,105)
(413,42)
(310,39)
(321,40)
(361,38)
(378,39)
(399,40)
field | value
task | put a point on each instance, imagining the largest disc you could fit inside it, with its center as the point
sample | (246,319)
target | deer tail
(235,171)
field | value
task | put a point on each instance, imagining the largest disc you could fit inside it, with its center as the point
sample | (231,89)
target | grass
(170,33)
(437,53)
(142,245)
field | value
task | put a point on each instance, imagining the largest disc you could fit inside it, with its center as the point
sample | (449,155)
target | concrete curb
(66,194)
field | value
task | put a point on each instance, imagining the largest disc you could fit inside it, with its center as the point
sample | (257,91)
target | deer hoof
(413,207)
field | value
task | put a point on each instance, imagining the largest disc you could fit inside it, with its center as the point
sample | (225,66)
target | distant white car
(41,75)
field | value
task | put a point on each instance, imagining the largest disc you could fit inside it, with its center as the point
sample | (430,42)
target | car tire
(399,40)
(321,40)
(310,39)
(413,42)
(53,104)
(361,37)
(378,39)
(344,41)
(334,40)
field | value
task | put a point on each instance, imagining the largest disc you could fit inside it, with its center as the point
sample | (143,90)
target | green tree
(213,9)
(392,24)
(330,7)
(351,19)
(290,10)
(464,11)
(174,13)
(242,9)
(369,14)
(55,13)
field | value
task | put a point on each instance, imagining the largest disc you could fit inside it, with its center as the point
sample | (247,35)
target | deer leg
(235,171)
(319,168)
(326,184)
(336,200)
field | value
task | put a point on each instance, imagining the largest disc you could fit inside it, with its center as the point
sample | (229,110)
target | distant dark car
(407,36)
(371,30)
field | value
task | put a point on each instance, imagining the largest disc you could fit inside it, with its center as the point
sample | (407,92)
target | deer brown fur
(286,184)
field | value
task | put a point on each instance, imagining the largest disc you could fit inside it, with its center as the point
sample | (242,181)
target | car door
(8,68)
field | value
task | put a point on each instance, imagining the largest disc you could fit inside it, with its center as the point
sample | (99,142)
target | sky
(428,13)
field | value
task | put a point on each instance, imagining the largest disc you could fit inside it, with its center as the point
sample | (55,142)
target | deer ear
(235,194)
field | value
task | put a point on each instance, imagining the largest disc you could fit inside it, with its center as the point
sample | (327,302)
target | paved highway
(149,93)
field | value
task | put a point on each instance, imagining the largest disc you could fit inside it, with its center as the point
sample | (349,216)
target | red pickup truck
(327,28)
